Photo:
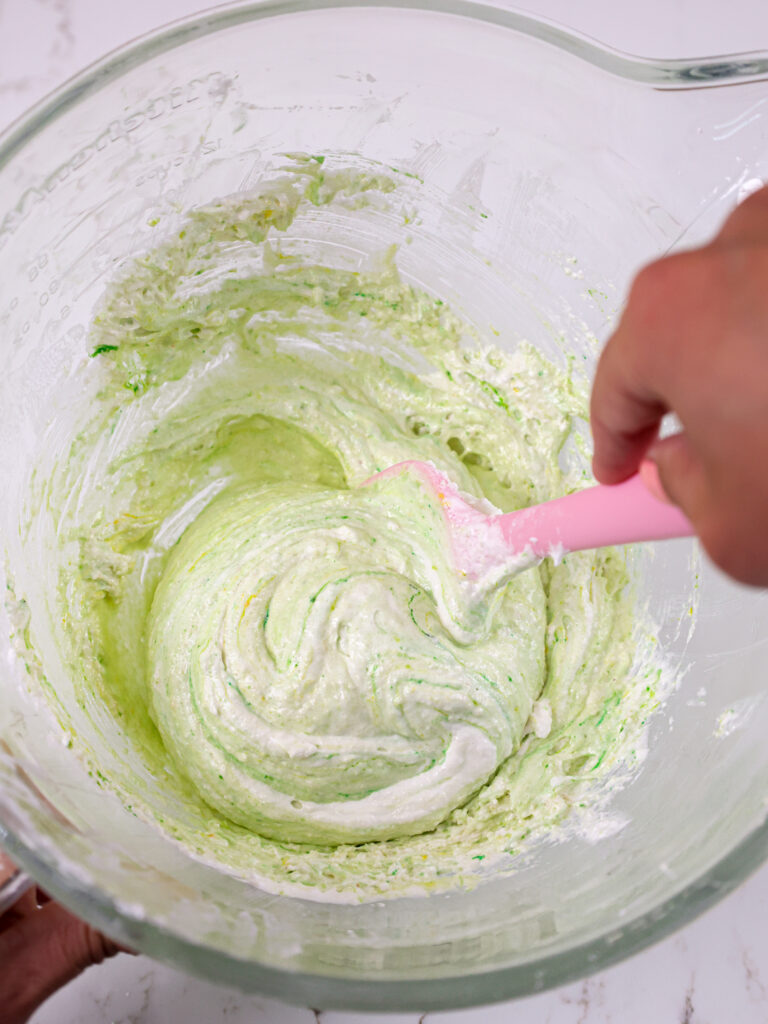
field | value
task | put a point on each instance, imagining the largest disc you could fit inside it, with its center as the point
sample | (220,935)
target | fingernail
(649,474)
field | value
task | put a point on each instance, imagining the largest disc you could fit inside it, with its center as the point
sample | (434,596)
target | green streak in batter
(291,652)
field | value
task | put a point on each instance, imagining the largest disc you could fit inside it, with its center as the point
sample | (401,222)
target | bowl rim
(128,924)
(391,995)
(659,73)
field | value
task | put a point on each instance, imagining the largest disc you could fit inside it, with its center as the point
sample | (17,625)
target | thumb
(681,475)
(42,953)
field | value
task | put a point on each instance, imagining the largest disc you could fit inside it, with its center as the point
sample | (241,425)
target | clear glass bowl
(582,163)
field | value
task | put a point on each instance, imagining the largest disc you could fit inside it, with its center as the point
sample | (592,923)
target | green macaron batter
(289,649)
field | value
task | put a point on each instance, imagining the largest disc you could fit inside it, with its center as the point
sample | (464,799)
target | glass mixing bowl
(544,169)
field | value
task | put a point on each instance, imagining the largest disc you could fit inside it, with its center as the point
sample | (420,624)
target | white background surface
(713,972)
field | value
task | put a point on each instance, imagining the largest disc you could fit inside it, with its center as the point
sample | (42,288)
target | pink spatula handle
(596,517)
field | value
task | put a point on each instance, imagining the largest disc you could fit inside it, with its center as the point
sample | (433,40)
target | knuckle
(756,201)
(661,281)
(99,947)
(729,548)
(653,280)
(749,218)
(678,300)
(69,946)
(683,279)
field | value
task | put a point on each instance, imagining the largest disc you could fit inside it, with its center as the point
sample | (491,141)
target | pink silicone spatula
(500,545)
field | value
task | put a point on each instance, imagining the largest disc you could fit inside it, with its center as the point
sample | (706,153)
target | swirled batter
(292,652)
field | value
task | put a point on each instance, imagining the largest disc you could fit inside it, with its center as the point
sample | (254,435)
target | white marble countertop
(713,972)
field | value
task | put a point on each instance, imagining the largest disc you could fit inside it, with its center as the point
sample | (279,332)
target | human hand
(42,947)
(693,340)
